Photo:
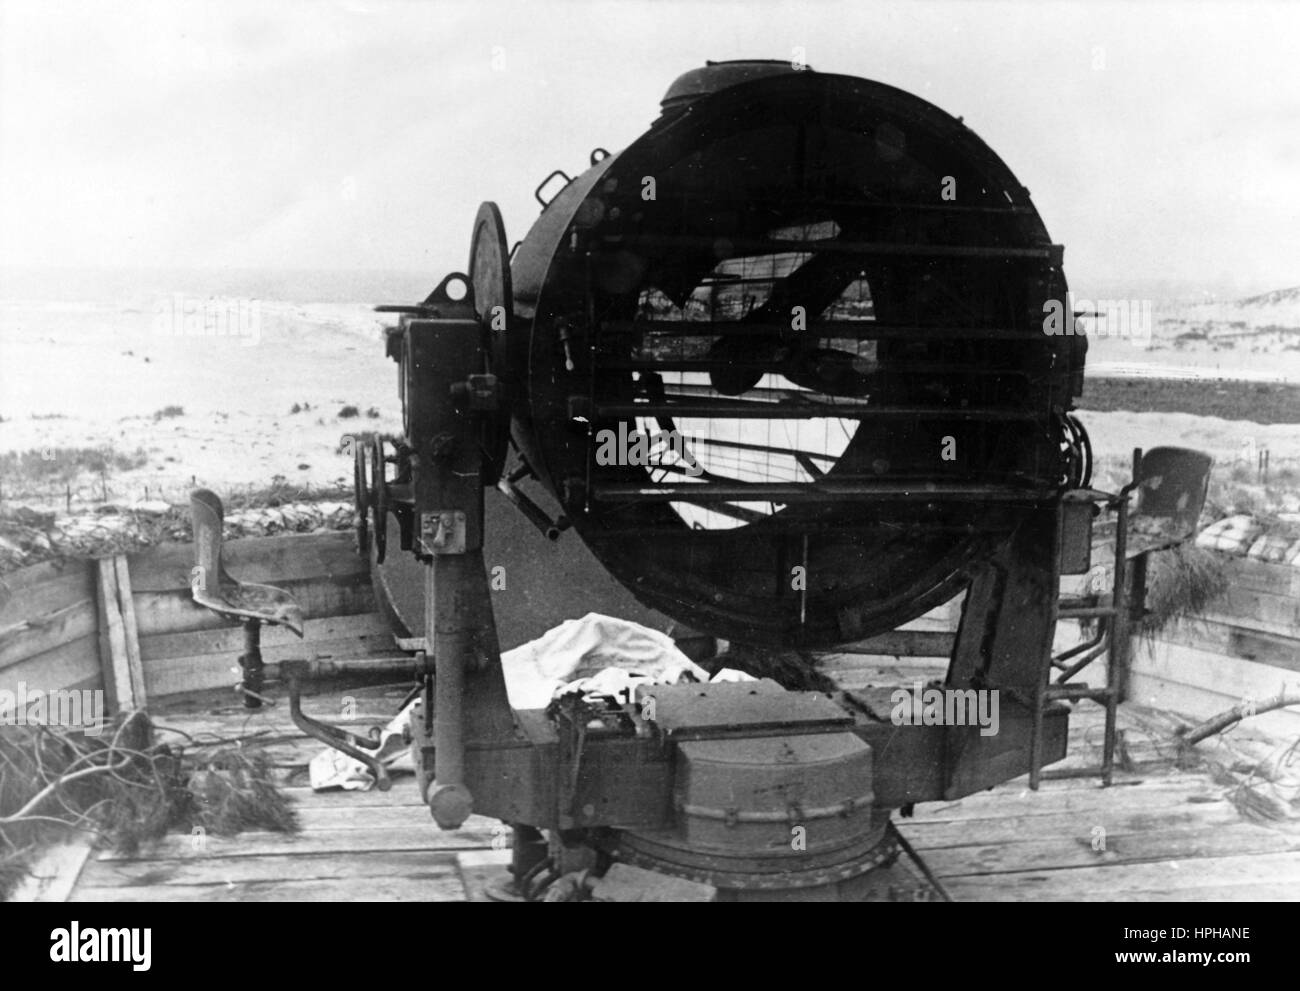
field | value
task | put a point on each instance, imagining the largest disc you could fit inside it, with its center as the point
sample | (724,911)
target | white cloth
(596,655)
(580,649)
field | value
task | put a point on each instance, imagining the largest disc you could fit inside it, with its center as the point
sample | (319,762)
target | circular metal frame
(360,494)
(733,169)
(489,278)
(379,496)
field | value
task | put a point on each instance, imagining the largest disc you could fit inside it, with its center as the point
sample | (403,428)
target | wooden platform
(1159,833)
(1164,831)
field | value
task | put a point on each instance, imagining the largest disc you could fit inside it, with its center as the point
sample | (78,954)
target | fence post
(119,642)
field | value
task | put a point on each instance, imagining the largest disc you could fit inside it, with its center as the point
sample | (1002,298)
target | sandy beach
(233,393)
(209,409)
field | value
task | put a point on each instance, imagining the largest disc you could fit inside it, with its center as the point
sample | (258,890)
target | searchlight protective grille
(783,359)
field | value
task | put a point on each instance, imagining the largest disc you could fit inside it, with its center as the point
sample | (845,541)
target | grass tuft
(1181,584)
(40,466)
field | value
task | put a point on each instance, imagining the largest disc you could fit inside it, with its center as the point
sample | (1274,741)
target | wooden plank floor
(351,846)
(1160,833)
(1167,829)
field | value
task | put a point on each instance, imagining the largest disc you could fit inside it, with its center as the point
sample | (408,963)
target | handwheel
(360,495)
(489,275)
(379,496)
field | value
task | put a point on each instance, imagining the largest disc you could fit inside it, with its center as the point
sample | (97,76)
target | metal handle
(538,191)
(332,736)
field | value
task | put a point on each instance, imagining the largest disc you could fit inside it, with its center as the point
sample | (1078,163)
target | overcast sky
(1159,142)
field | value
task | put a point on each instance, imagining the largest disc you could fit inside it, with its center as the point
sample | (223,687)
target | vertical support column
(1117,656)
(449,634)
(250,661)
(444,408)
(1004,643)
(1126,585)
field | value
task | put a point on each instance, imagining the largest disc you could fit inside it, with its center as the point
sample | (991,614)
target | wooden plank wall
(109,624)
(128,624)
(49,628)
(1247,645)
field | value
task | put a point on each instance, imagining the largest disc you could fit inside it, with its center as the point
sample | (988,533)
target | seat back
(1174,482)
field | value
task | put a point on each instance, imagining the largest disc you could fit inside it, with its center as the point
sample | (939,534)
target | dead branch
(53,786)
(1236,714)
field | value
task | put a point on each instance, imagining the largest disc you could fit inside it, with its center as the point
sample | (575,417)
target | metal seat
(1172,483)
(251,604)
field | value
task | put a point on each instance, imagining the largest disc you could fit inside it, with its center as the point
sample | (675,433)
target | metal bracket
(478,392)
(443,531)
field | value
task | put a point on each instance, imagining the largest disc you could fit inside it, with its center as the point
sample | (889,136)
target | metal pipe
(450,631)
(251,662)
(1060,659)
(399,667)
(751,199)
(822,491)
(551,529)
(1069,671)
(867,330)
(739,409)
(339,739)
(1087,612)
(915,857)
(765,245)
(705,365)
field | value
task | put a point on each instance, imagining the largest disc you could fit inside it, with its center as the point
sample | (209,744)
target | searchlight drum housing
(796,367)
(786,360)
